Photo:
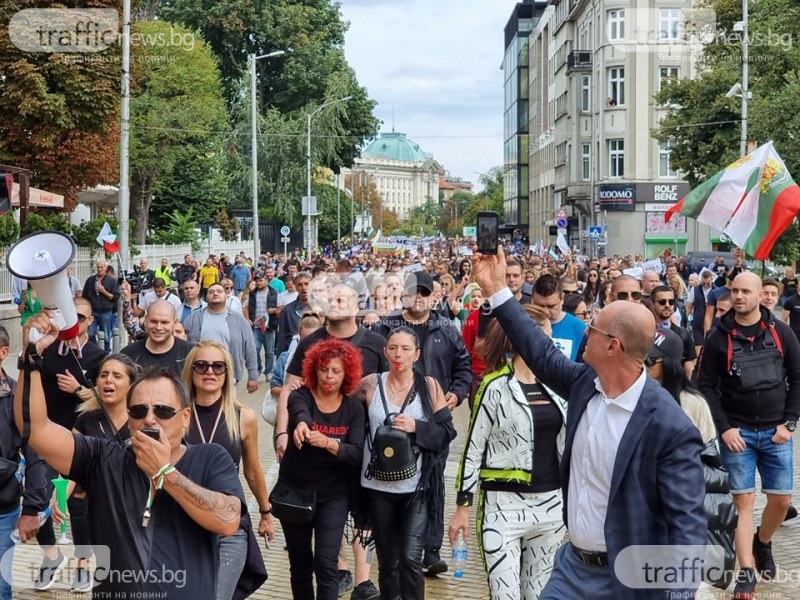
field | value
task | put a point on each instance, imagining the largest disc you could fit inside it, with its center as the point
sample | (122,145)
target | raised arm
(52,442)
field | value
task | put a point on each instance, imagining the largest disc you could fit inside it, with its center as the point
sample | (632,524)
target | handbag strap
(411,393)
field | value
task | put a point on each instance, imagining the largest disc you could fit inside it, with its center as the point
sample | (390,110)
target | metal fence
(84,264)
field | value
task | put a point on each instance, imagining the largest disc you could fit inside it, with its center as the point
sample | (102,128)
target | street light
(254,148)
(311,115)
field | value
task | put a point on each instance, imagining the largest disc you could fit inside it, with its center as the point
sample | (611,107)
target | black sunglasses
(82,318)
(665,301)
(651,362)
(217,367)
(161,411)
(633,295)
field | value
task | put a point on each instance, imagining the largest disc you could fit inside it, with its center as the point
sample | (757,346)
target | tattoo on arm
(367,383)
(224,507)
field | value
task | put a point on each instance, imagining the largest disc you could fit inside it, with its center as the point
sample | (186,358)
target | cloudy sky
(437,64)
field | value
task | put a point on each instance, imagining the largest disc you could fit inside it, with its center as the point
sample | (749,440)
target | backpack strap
(356,340)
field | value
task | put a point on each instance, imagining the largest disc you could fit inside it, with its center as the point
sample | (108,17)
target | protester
(291,313)
(186,271)
(161,347)
(261,312)
(219,418)
(159,291)
(191,300)
(102,292)
(209,275)
(164,272)
(173,534)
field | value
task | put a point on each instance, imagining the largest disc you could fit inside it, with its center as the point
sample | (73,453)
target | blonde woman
(219,418)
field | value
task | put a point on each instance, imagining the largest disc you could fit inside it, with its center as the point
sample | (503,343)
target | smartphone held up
(487,232)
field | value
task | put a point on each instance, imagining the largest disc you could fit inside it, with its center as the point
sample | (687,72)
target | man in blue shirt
(240,275)
(567,330)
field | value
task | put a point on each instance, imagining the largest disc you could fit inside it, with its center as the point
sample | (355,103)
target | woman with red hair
(326,427)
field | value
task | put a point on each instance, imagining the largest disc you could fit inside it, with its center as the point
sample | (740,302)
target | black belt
(591,558)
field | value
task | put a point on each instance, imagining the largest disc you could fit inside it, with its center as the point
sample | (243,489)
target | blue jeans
(232,557)
(773,461)
(8,522)
(105,320)
(265,340)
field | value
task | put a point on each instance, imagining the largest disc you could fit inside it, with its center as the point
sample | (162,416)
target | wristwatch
(78,390)
(790,425)
(265,512)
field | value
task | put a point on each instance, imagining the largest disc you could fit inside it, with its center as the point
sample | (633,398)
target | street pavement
(444,587)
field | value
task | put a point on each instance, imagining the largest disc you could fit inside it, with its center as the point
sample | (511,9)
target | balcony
(579,60)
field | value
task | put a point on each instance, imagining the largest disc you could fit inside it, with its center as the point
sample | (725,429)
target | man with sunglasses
(160,347)
(627,289)
(158,506)
(630,472)
(663,307)
(69,367)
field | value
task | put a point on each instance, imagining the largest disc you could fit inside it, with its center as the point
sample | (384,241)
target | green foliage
(50,221)
(490,198)
(704,125)
(228,227)
(422,220)
(85,234)
(177,114)
(9,229)
(181,229)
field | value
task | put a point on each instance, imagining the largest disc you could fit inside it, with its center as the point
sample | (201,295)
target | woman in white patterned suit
(511,459)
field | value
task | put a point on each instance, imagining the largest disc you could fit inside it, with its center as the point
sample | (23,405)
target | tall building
(595,68)
(515,115)
(403,174)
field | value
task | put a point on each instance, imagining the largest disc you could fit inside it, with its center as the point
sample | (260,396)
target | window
(586,161)
(586,93)
(616,86)
(664,152)
(615,28)
(669,22)
(616,158)
(668,75)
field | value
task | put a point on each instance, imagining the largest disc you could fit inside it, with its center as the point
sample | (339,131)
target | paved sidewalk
(444,587)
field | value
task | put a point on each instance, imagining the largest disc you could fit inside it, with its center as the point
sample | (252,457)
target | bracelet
(167,468)
(264,513)
(277,435)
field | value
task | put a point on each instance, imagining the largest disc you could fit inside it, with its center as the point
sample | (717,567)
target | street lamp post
(311,115)
(254,148)
(745,76)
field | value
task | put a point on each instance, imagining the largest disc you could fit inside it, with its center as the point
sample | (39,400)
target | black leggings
(399,526)
(79,519)
(327,528)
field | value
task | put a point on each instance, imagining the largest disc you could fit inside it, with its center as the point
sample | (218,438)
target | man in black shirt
(102,291)
(184,273)
(163,543)
(291,313)
(663,306)
(160,347)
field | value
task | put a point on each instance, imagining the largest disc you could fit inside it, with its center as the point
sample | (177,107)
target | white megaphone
(42,259)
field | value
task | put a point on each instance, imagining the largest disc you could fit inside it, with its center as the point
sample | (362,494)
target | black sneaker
(49,571)
(791,513)
(432,564)
(82,581)
(762,554)
(345,582)
(745,585)
(365,590)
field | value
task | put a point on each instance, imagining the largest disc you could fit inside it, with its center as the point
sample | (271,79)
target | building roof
(395,146)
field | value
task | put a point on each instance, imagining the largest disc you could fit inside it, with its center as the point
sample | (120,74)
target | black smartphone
(486,230)
(152,432)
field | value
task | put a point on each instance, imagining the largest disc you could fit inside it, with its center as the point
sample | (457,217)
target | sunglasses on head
(665,301)
(217,367)
(625,295)
(161,411)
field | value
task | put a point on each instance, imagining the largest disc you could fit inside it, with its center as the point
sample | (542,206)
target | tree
(58,114)
(422,220)
(45,221)
(490,197)
(452,219)
(228,227)
(182,229)
(9,229)
(704,125)
(177,112)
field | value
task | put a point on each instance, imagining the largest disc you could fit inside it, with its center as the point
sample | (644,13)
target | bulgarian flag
(108,240)
(752,200)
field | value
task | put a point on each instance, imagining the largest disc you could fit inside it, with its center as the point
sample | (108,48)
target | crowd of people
(620,401)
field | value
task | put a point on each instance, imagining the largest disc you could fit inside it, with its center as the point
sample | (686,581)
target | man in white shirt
(631,471)
(159,292)
(232,302)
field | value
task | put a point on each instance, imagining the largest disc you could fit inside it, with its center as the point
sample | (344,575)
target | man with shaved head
(626,288)
(160,347)
(750,375)
(630,472)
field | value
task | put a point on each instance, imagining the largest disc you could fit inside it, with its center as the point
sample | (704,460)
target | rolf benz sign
(625,196)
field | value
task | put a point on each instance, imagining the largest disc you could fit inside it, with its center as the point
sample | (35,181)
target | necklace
(213,431)
(400,392)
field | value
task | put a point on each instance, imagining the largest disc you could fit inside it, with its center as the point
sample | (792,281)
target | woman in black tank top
(219,418)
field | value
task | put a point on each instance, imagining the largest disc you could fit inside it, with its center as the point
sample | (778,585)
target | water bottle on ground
(41,517)
(459,555)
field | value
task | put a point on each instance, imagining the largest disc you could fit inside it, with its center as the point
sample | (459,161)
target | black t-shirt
(174,358)
(789,286)
(84,367)
(94,424)
(421,329)
(214,431)
(310,467)
(792,305)
(173,555)
(689,352)
(371,348)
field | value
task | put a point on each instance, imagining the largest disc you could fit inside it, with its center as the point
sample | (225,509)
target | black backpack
(393,454)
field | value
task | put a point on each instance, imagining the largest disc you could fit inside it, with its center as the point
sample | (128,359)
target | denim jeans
(102,320)
(232,557)
(8,522)
(773,461)
(265,340)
